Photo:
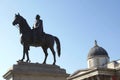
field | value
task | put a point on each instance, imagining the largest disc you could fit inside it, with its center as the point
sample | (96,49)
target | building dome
(97,57)
(97,51)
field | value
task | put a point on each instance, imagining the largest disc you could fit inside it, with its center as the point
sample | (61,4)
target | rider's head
(37,17)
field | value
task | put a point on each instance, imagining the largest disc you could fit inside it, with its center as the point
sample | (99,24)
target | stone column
(98,78)
(35,71)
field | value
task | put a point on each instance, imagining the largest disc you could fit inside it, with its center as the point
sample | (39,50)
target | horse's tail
(58,45)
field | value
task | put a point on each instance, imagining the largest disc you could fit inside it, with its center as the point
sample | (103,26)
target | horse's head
(22,23)
(18,19)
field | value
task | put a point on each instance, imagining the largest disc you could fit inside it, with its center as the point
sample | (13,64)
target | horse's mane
(24,21)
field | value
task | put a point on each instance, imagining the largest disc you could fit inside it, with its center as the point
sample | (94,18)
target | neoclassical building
(99,66)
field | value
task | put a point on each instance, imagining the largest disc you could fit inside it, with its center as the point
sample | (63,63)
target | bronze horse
(27,40)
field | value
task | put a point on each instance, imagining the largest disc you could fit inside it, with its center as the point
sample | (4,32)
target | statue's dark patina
(46,41)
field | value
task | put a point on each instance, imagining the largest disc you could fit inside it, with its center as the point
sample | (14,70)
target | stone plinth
(35,71)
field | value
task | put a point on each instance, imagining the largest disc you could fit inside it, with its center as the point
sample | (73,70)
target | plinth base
(35,71)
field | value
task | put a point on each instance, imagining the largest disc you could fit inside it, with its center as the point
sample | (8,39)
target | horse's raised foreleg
(53,52)
(46,54)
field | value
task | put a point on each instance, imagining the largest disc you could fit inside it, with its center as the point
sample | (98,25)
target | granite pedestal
(35,71)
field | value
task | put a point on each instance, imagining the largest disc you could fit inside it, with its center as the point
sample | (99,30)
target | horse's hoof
(20,61)
(28,61)
(44,62)
(53,63)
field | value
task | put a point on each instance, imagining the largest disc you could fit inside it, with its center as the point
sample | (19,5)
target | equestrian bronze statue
(27,35)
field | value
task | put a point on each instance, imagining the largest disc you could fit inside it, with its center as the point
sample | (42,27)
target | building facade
(99,66)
